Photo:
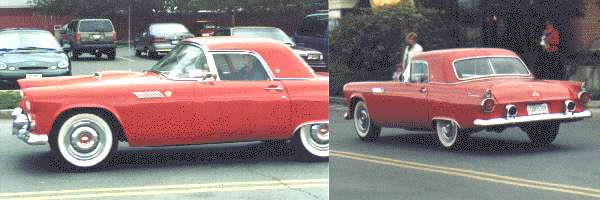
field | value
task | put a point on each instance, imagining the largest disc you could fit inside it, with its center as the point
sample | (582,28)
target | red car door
(245,104)
(403,104)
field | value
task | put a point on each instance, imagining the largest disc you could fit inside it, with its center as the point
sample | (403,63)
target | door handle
(277,88)
(423,90)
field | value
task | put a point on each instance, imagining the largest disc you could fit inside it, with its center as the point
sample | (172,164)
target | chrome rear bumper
(533,118)
(21,126)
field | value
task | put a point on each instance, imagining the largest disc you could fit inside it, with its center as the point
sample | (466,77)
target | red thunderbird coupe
(208,90)
(460,91)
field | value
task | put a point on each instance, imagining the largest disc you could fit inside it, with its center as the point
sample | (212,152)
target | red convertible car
(461,91)
(208,90)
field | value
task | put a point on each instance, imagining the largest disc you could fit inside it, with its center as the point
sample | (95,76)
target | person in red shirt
(550,64)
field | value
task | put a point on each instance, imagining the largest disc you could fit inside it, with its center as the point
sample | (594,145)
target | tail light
(158,39)
(488,105)
(584,97)
(114,36)
(77,37)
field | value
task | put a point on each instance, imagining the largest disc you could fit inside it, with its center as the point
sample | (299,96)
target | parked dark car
(312,32)
(31,53)
(204,28)
(93,36)
(160,38)
(313,57)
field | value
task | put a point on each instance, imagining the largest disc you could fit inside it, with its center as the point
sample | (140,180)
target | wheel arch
(353,100)
(297,129)
(112,119)
(433,120)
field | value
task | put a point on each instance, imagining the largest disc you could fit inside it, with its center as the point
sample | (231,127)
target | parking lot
(223,171)
(411,165)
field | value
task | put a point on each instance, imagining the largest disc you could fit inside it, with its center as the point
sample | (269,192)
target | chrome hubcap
(85,140)
(320,134)
(446,132)
(362,119)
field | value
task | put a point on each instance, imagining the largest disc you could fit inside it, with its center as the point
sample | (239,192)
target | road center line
(483,176)
(169,189)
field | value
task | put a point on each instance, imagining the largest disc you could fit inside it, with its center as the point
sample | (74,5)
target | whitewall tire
(84,141)
(312,141)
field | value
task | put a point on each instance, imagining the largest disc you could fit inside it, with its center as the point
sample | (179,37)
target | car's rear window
(168,28)
(95,26)
(489,66)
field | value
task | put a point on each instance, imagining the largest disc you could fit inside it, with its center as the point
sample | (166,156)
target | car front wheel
(542,133)
(84,141)
(366,129)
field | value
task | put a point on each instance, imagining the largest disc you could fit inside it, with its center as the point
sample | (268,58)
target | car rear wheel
(112,54)
(84,141)
(542,133)
(312,141)
(365,127)
(449,134)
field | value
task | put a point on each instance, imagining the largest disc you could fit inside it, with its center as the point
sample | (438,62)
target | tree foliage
(86,8)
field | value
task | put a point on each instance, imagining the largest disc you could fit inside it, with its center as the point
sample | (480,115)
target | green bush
(9,99)
(367,44)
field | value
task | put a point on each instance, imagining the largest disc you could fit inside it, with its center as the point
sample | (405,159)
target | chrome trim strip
(533,118)
(21,129)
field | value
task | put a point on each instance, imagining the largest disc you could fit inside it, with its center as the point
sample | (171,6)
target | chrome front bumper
(21,127)
(533,118)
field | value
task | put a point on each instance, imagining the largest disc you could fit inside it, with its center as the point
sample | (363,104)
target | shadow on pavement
(137,158)
(473,145)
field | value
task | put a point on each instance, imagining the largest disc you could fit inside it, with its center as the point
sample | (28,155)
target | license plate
(29,76)
(96,37)
(537,109)
(175,42)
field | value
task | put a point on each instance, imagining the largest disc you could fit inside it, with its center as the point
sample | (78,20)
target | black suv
(93,36)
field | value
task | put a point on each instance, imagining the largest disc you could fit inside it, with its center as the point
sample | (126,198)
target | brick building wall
(586,28)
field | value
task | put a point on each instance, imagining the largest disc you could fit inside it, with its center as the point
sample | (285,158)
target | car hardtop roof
(441,62)
(284,62)
(91,19)
(461,53)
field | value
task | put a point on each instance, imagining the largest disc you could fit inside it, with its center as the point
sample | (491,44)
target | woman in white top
(411,49)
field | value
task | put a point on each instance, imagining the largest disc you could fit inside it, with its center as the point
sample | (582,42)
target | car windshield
(181,61)
(489,66)
(95,26)
(272,33)
(168,28)
(28,40)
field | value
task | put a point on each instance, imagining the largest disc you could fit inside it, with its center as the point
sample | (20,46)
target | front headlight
(3,66)
(315,56)
(63,64)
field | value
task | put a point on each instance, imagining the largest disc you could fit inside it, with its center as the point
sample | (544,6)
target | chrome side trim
(533,118)
(21,129)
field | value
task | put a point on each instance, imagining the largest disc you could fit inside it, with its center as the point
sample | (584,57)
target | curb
(5,114)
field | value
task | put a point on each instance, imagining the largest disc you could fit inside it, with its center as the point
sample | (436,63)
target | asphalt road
(410,165)
(126,60)
(222,171)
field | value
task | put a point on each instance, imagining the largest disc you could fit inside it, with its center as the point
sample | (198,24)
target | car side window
(419,72)
(185,61)
(240,67)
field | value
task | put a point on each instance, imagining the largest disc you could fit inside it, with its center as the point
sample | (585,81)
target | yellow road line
(168,189)
(484,176)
